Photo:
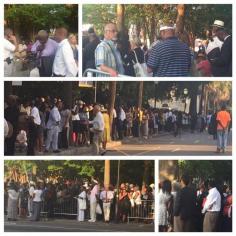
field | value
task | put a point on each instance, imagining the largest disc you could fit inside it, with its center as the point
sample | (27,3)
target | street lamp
(156,83)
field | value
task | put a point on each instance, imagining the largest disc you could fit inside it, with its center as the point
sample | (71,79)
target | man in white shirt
(106,196)
(93,200)
(53,128)
(10,46)
(34,124)
(212,209)
(64,63)
(98,130)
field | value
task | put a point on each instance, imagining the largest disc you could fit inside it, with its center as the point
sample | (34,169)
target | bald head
(43,36)
(96,109)
(61,34)
(110,31)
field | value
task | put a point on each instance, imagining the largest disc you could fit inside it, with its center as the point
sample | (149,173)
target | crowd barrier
(69,207)
(98,73)
(144,211)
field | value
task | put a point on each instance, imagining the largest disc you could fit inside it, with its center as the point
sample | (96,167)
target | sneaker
(103,153)
(91,220)
(46,151)
(57,151)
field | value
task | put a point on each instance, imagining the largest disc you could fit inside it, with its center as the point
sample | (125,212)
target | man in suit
(185,206)
(224,60)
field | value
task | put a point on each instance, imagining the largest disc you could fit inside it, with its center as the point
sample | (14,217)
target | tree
(120,11)
(112,91)
(140,94)
(27,19)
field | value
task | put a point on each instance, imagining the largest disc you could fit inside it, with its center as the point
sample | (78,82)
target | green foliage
(198,18)
(130,171)
(27,19)
(207,169)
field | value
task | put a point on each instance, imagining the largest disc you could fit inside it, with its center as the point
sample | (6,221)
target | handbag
(98,209)
(140,70)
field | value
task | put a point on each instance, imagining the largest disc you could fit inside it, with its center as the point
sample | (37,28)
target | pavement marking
(124,153)
(176,150)
(60,227)
(145,152)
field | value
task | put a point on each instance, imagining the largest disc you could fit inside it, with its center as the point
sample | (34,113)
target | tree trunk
(180,19)
(120,12)
(193,95)
(112,92)
(140,94)
(67,92)
(168,169)
(146,173)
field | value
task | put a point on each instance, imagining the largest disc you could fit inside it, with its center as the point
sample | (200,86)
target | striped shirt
(170,57)
(107,54)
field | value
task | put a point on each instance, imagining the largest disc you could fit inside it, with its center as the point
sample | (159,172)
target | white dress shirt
(54,118)
(213,201)
(98,122)
(64,62)
(37,195)
(122,115)
(35,114)
(106,196)
(9,49)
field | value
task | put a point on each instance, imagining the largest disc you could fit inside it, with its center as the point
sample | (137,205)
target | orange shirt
(224,118)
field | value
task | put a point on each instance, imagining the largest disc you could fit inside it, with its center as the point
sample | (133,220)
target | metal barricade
(144,211)
(97,73)
(64,207)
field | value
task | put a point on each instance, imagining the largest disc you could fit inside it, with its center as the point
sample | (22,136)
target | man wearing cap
(107,57)
(224,60)
(45,50)
(223,121)
(169,57)
(97,129)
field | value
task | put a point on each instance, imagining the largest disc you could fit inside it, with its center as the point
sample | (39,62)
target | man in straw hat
(224,61)
(169,57)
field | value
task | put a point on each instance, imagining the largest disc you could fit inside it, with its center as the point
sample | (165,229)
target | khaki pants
(211,221)
(93,214)
(182,225)
(106,210)
(97,142)
(8,69)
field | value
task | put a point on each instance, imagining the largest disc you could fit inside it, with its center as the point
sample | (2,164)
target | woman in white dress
(165,202)
(82,204)
(12,207)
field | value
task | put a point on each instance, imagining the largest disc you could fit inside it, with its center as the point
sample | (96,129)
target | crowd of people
(94,200)
(117,54)
(49,55)
(188,207)
(45,124)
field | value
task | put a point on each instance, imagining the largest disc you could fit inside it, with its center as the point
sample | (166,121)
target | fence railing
(69,207)
(65,207)
(98,73)
(143,211)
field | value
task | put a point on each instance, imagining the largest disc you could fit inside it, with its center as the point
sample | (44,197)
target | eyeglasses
(113,31)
